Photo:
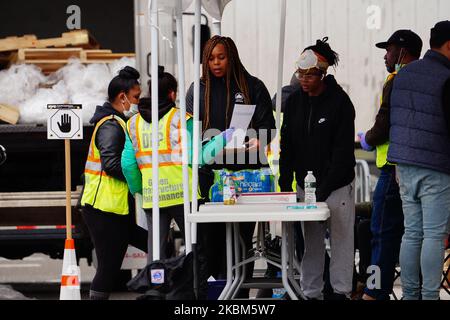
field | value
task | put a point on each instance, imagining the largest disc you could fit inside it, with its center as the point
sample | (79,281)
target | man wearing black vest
(402,48)
(420,145)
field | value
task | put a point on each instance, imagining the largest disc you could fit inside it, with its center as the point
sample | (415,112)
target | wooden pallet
(9,114)
(50,60)
(72,38)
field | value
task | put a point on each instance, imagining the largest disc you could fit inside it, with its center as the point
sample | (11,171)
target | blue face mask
(399,63)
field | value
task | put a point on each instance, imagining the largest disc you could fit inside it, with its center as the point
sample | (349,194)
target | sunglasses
(305,76)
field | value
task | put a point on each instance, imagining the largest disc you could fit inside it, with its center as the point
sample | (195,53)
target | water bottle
(229,190)
(310,190)
(278,293)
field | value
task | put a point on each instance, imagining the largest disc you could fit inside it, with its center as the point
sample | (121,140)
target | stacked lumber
(50,60)
(77,38)
(49,55)
(9,114)
(54,53)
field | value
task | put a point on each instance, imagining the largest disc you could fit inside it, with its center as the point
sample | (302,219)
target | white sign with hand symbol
(64,121)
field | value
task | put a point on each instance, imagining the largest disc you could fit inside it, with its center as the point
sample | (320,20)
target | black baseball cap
(404,39)
(440,32)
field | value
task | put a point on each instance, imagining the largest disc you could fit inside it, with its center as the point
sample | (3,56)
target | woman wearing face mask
(224,83)
(318,134)
(106,201)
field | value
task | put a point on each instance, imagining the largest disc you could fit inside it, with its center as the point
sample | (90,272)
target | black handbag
(170,279)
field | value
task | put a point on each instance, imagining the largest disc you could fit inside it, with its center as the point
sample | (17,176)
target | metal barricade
(362,181)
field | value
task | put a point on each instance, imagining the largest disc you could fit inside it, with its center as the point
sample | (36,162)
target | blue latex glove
(362,140)
(228,134)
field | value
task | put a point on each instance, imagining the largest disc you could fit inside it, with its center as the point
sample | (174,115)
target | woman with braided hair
(224,83)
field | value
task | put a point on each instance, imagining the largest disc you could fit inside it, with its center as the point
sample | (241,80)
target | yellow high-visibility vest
(101,191)
(170,158)
(271,157)
(382,150)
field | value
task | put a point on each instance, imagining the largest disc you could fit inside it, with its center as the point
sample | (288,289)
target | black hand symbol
(66,123)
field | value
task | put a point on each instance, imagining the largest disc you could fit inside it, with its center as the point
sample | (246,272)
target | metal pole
(196,135)
(155,140)
(309,22)
(196,138)
(217,27)
(142,36)
(184,134)
(276,151)
(68,193)
(137,36)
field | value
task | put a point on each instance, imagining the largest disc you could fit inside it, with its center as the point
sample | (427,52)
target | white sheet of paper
(242,115)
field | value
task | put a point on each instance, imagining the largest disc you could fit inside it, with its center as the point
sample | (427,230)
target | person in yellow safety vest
(105,199)
(286,91)
(403,47)
(137,157)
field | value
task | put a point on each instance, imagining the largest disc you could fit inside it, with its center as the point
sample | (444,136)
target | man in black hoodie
(318,135)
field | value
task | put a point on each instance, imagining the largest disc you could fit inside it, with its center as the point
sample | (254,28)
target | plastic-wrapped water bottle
(310,191)
(278,293)
(229,190)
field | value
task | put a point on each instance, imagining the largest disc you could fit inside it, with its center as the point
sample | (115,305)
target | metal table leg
(291,250)
(284,262)
(244,271)
(237,273)
(229,261)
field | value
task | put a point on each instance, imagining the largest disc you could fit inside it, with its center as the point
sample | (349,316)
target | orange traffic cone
(70,279)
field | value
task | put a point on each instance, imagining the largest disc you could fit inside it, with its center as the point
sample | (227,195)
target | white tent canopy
(214,8)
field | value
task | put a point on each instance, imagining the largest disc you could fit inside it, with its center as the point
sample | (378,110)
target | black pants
(165,217)
(212,253)
(212,246)
(111,233)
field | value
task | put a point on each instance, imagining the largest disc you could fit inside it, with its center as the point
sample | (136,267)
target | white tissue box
(271,197)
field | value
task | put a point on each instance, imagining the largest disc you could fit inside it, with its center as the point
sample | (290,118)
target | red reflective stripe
(137,132)
(169,122)
(70,244)
(97,173)
(149,153)
(69,281)
(179,137)
(26,227)
(34,227)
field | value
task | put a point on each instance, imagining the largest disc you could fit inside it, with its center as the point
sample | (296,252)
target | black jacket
(318,134)
(110,140)
(145,108)
(220,120)
(379,134)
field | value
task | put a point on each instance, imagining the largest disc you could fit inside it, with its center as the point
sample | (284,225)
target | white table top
(218,212)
